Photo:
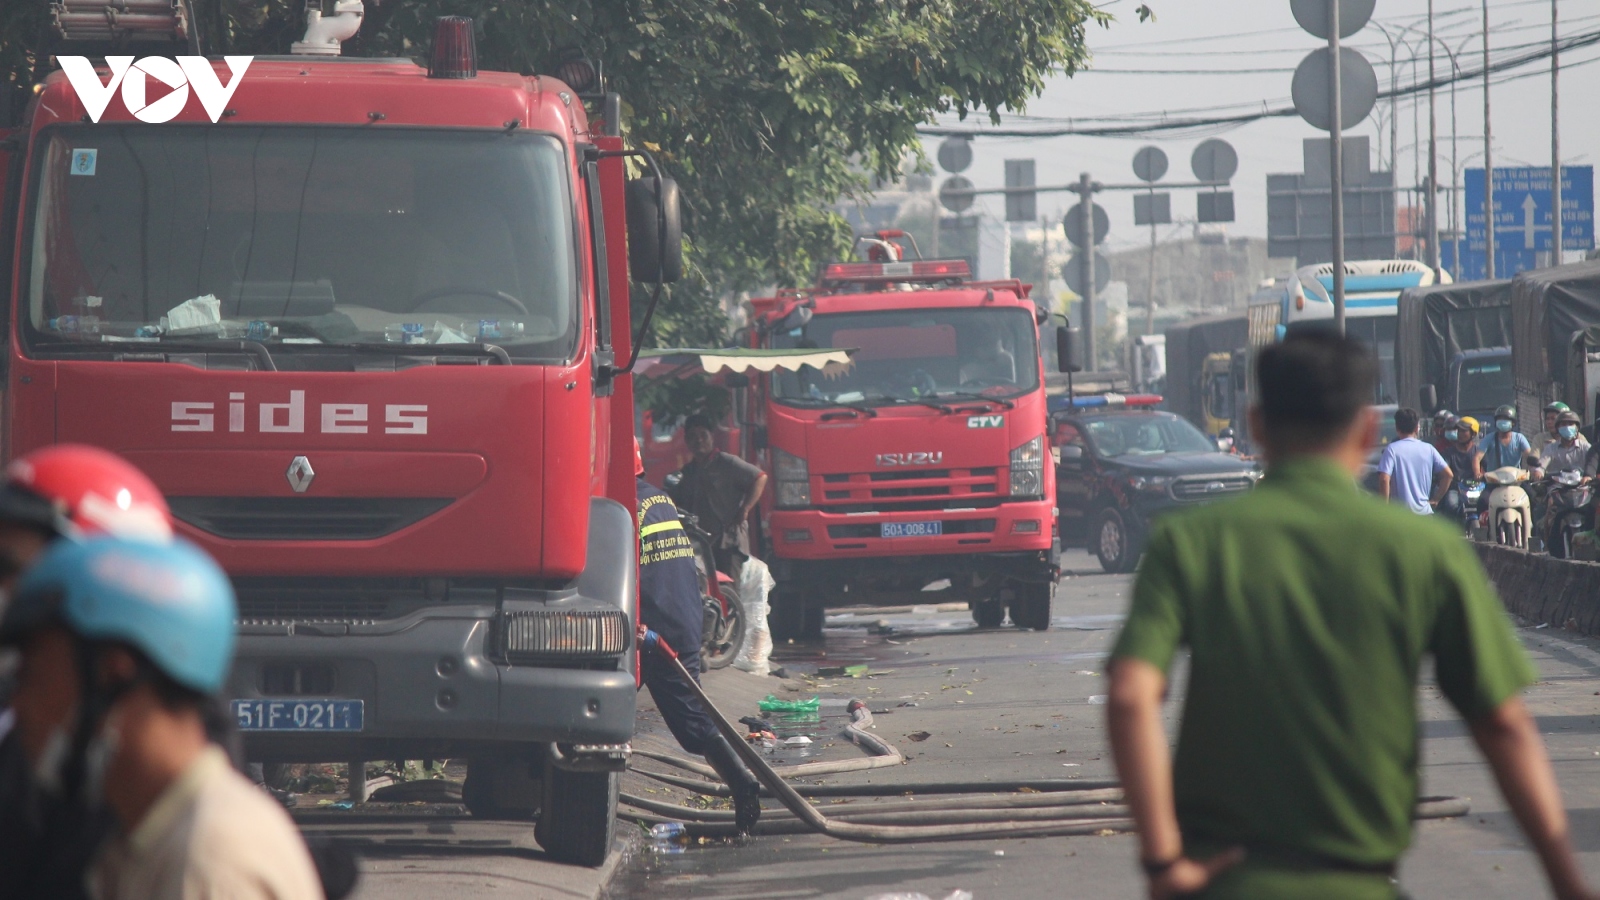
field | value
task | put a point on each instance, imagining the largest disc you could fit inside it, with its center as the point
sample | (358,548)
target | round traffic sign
(1149,164)
(1072,273)
(1358,85)
(1313,16)
(1075,225)
(1214,160)
(952,196)
(955,154)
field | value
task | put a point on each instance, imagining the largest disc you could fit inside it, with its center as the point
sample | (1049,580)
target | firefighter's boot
(746,789)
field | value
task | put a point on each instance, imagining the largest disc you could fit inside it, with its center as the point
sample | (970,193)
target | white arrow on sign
(1528,228)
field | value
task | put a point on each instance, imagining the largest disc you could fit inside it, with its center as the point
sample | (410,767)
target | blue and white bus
(1371,305)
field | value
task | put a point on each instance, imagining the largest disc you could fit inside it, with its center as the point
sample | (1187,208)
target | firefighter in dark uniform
(670,606)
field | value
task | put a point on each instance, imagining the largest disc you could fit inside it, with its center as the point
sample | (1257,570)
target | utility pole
(1432,205)
(1085,192)
(1488,156)
(1555,136)
(1150,306)
(1336,163)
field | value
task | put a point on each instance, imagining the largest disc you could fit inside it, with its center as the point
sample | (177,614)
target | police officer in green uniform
(1307,607)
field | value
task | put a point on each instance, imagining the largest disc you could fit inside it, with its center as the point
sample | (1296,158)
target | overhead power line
(1164,123)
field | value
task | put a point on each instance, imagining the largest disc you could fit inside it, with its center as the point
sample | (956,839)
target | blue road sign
(1522,217)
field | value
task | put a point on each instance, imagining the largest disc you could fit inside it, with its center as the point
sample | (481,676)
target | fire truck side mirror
(1067,349)
(655,231)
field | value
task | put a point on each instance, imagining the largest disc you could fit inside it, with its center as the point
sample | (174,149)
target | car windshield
(1486,384)
(299,236)
(914,354)
(1153,435)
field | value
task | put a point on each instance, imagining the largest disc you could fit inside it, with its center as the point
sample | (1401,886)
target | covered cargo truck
(1549,307)
(1194,367)
(1456,338)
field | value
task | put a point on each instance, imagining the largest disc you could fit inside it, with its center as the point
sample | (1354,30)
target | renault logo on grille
(300,474)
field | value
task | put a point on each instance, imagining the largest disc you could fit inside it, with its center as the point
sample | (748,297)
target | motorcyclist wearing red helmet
(66,491)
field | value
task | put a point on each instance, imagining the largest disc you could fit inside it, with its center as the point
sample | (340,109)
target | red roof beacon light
(936,271)
(455,50)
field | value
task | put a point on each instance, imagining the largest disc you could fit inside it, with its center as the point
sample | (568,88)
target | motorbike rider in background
(1502,446)
(1569,449)
(1549,435)
(1461,455)
(1436,437)
(670,606)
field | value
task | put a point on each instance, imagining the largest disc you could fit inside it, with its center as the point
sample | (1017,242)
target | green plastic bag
(773,704)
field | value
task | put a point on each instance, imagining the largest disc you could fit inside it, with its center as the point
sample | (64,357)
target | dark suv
(1117,470)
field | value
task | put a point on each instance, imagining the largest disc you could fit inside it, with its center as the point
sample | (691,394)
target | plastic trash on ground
(667,831)
(772,704)
(755,583)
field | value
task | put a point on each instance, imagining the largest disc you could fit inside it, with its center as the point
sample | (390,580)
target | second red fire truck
(926,461)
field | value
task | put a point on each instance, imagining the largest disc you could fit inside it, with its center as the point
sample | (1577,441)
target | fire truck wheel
(578,821)
(785,616)
(501,785)
(988,613)
(1117,545)
(1031,609)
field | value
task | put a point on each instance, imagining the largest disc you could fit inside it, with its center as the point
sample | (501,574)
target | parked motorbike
(719,596)
(1569,509)
(1510,516)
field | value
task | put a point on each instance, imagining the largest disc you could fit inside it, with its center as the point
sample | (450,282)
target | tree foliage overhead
(765,111)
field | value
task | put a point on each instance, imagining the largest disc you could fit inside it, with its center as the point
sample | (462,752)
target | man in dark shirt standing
(670,606)
(720,489)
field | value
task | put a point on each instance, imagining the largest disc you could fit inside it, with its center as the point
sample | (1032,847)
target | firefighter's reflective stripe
(648,530)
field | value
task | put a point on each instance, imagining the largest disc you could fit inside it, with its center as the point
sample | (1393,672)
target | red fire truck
(364,330)
(925,461)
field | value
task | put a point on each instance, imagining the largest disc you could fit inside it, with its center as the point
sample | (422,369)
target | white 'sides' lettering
(180,75)
(290,417)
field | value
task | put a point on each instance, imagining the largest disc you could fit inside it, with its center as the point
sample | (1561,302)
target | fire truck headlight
(793,480)
(788,467)
(793,494)
(1027,469)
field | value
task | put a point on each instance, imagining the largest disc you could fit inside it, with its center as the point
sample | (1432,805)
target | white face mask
(49,771)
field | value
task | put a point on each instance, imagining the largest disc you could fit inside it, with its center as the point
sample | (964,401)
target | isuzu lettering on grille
(911,459)
(290,417)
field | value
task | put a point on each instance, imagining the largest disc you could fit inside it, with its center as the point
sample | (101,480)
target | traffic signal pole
(1085,191)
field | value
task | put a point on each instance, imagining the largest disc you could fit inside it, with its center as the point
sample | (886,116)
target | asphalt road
(1007,704)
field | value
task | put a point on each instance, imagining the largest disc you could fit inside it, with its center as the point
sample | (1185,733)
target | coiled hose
(1042,808)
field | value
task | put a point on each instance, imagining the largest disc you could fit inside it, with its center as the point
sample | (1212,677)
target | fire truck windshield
(299,237)
(914,354)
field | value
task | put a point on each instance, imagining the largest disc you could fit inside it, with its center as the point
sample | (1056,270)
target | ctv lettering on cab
(290,417)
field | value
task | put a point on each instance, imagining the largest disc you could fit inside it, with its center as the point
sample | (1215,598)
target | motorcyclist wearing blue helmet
(123,644)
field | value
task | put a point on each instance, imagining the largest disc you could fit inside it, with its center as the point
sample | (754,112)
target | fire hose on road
(1038,808)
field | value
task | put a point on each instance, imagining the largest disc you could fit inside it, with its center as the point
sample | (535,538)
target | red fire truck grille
(303,518)
(911,491)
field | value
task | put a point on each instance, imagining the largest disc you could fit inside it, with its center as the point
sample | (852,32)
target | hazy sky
(1197,37)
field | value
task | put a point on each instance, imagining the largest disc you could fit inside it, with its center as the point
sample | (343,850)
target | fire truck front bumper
(815,534)
(434,688)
